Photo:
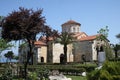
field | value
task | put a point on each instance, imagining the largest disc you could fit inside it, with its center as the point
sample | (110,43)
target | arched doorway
(42,59)
(61,58)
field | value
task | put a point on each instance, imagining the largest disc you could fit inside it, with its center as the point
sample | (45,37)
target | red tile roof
(40,43)
(44,38)
(71,22)
(88,38)
(78,34)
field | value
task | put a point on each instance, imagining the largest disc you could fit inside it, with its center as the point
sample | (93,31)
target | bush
(32,76)
(6,75)
(66,69)
(109,71)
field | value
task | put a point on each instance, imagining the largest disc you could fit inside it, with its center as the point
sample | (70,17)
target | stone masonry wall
(82,48)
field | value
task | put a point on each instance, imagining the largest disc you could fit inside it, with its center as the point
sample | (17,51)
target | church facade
(83,45)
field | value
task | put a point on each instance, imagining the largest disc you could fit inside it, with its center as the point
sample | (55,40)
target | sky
(91,14)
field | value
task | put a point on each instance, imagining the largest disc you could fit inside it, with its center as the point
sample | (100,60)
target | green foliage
(67,69)
(9,55)
(104,32)
(118,36)
(93,75)
(6,75)
(116,49)
(109,71)
(4,45)
(108,52)
(103,37)
(32,76)
(1,19)
(43,73)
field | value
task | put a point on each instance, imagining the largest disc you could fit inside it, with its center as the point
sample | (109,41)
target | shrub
(6,75)
(109,71)
(32,76)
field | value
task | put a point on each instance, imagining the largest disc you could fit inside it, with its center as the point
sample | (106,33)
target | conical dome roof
(71,22)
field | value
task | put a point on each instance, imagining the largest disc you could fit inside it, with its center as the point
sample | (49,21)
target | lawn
(77,77)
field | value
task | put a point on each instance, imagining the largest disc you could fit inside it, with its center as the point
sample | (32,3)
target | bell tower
(71,27)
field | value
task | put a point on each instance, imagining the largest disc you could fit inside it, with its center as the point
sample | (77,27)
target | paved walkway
(59,77)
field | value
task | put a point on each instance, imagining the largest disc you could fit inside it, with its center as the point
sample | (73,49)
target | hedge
(65,69)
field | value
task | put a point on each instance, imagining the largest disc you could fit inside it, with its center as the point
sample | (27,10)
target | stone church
(83,45)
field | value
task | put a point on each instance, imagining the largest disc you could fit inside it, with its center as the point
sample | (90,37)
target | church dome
(71,22)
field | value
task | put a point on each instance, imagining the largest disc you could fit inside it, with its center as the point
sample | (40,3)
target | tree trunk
(29,55)
(49,53)
(65,53)
(116,56)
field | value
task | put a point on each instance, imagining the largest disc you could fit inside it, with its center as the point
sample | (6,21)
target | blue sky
(92,14)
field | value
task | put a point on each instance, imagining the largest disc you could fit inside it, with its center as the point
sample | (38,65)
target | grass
(77,77)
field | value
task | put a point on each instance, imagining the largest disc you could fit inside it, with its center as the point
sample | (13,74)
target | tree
(4,45)
(1,19)
(116,48)
(65,39)
(118,36)
(103,34)
(109,71)
(23,24)
(16,57)
(9,55)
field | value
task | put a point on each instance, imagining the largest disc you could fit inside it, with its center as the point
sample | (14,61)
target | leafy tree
(1,19)
(116,49)
(16,57)
(65,39)
(23,24)
(4,45)
(103,34)
(9,55)
(118,36)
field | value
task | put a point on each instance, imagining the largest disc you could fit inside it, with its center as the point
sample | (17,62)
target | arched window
(78,29)
(73,29)
(42,59)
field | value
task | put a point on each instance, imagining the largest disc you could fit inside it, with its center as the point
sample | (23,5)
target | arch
(42,59)
(101,49)
(83,57)
(61,58)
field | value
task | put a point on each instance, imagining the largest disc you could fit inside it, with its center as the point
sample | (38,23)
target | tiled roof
(78,34)
(40,43)
(44,38)
(71,22)
(88,38)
